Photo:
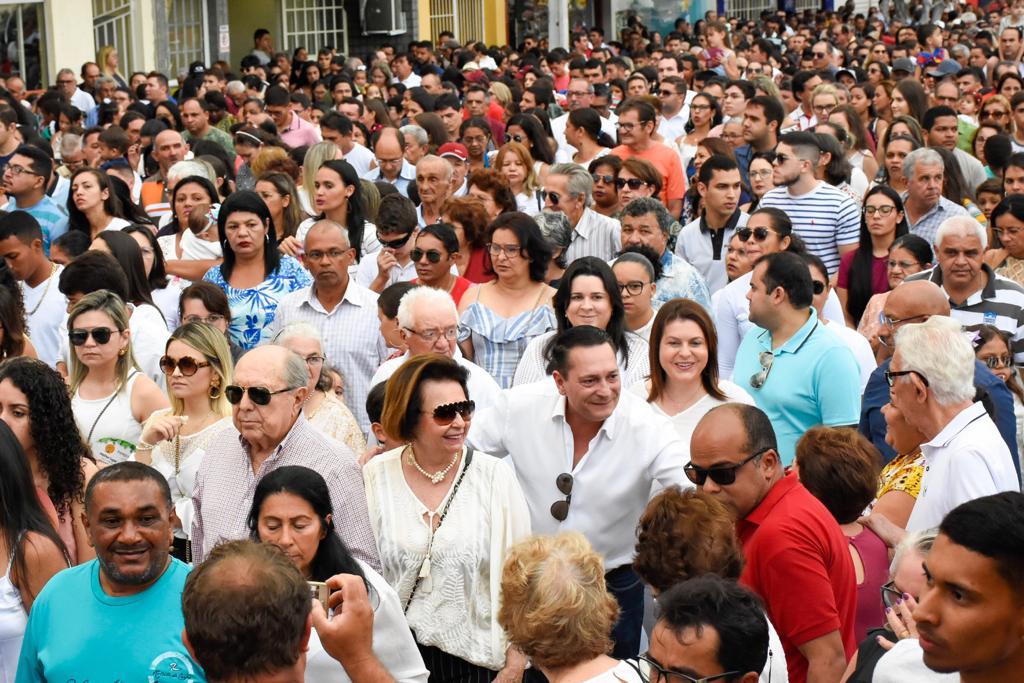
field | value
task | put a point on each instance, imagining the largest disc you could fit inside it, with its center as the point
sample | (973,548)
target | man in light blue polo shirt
(800,373)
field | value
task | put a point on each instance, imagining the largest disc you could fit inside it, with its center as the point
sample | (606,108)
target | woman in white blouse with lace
(444,518)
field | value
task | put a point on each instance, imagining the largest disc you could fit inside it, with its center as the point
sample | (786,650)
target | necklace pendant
(436,477)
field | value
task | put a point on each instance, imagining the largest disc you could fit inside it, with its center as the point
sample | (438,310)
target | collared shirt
(83,100)
(482,387)
(52,218)
(675,126)
(798,561)
(1000,303)
(411,82)
(368,270)
(351,337)
(826,218)
(968,459)
(634,449)
(927,226)
(406,176)
(680,280)
(594,235)
(300,132)
(801,121)
(814,380)
(705,249)
(225,485)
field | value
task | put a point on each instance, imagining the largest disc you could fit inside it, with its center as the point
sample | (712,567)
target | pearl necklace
(436,477)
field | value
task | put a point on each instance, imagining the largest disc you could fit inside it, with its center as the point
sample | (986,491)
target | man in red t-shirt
(797,557)
(637,123)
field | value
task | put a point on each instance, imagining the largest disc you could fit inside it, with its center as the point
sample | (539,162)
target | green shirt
(220,137)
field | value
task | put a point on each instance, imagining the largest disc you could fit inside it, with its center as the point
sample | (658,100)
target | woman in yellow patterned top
(323,410)
(899,484)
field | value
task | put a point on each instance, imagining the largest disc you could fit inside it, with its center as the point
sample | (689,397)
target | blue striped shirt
(826,218)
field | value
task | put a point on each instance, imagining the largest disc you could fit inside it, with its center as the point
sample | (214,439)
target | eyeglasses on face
(818,286)
(449,333)
(510,251)
(765,358)
(763,173)
(891,375)
(723,475)
(880,210)
(211,319)
(662,675)
(759,234)
(517,138)
(333,254)
(554,197)
(187,365)
(16,170)
(598,178)
(314,360)
(560,508)
(259,395)
(100,335)
(633,288)
(901,265)
(890,323)
(433,255)
(444,415)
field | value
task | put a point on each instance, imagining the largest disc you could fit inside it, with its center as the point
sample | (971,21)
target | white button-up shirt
(695,245)
(634,449)
(595,235)
(968,459)
(672,127)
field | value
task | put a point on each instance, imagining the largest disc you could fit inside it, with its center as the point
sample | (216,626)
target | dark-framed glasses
(658,674)
(890,595)
(891,375)
(259,395)
(818,286)
(765,358)
(433,255)
(599,178)
(633,288)
(445,414)
(759,234)
(187,365)
(631,183)
(885,210)
(560,508)
(723,475)
(100,335)
(394,244)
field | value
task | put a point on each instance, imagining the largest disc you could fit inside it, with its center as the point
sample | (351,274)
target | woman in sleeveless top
(35,404)
(30,550)
(499,318)
(111,398)
(197,363)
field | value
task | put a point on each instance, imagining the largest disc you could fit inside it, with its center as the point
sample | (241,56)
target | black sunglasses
(393,244)
(818,286)
(101,335)
(259,395)
(891,596)
(633,183)
(759,234)
(554,197)
(187,364)
(607,179)
(445,414)
(723,475)
(890,376)
(433,255)
(560,508)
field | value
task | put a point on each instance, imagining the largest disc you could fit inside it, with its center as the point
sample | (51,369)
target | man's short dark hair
(259,33)
(542,96)
(396,215)
(736,614)
(116,139)
(789,271)
(91,272)
(447,101)
(934,114)
(800,80)
(716,162)
(746,87)
(128,471)
(358,103)
(578,336)
(20,224)
(772,108)
(332,120)
(992,526)
(161,78)
(276,96)
(804,140)
(245,611)
(40,162)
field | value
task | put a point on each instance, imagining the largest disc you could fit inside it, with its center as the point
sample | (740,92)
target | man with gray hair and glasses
(925,206)
(579,96)
(568,188)
(931,380)
(270,431)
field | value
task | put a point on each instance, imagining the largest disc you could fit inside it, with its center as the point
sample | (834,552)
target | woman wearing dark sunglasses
(992,347)
(197,363)
(435,252)
(111,397)
(444,518)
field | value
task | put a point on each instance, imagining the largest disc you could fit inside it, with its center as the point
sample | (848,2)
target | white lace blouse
(455,608)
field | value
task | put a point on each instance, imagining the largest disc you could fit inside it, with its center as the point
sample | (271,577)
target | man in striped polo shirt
(976,293)
(825,217)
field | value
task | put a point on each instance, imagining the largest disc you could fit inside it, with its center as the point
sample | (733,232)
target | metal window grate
(187,39)
(750,9)
(112,25)
(314,24)
(464,18)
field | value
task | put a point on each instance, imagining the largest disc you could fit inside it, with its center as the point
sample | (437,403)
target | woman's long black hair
(247,201)
(332,557)
(860,292)
(356,204)
(158,273)
(540,145)
(126,251)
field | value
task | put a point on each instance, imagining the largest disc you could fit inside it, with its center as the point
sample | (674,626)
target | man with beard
(119,616)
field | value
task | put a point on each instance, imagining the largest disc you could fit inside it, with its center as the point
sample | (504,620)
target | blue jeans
(628,589)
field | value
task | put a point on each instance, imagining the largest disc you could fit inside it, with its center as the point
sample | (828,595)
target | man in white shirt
(21,246)
(675,113)
(396,230)
(569,188)
(337,128)
(802,118)
(429,323)
(401,66)
(579,96)
(391,166)
(932,383)
(586,455)
(67,83)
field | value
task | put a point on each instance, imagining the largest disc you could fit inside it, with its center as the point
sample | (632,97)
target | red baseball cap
(454,149)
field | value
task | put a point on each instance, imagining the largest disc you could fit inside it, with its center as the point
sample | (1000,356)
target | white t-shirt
(360,158)
(686,421)
(45,308)
(861,348)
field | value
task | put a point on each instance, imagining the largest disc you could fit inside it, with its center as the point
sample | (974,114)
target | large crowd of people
(679,356)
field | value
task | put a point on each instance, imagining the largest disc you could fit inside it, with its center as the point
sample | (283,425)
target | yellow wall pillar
(496,22)
(423,20)
(67,45)
(144,28)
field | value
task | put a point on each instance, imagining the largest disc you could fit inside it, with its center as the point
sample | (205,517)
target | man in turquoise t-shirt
(117,618)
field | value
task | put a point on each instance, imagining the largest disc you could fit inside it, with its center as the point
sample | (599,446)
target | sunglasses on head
(186,364)
(723,475)
(445,414)
(259,395)
(759,234)
(101,335)
(393,244)
(433,255)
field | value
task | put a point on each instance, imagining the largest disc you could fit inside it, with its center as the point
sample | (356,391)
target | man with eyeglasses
(391,164)
(344,312)
(579,96)
(797,559)
(799,372)
(67,84)
(270,431)
(586,455)
(25,180)
(675,114)
(429,323)
(931,380)
(636,124)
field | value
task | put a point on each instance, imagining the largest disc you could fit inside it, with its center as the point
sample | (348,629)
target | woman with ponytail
(583,131)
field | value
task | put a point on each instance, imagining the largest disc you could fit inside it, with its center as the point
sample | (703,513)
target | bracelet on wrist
(143,446)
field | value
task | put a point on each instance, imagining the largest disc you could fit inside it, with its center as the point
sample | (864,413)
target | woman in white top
(30,550)
(338,196)
(583,131)
(515,164)
(446,514)
(111,397)
(323,409)
(190,244)
(637,276)
(556,609)
(291,509)
(588,294)
(165,292)
(93,205)
(684,534)
(198,365)
(684,383)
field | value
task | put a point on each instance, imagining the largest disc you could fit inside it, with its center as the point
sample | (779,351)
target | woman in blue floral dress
(254,274)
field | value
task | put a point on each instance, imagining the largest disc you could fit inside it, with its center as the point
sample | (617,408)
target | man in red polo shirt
(637,123)
(797,557)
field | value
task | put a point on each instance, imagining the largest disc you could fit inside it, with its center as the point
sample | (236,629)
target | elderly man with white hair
(977,295)
(417,143)
(429,323)
(925,206)
(931,381)
(569,188)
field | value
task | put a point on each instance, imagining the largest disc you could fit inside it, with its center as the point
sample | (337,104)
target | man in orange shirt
(637,123)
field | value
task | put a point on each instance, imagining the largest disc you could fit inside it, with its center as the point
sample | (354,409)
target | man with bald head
(344,311)
(269,431)
(914,302)
(391,166)
(168,149)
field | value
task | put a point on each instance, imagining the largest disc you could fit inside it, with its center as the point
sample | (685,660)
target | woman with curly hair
(13,338)
(35,404)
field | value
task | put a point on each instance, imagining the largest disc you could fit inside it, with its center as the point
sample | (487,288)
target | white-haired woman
(323,410)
